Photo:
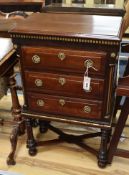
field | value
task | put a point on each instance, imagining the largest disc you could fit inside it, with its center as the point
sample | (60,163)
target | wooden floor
(57,159)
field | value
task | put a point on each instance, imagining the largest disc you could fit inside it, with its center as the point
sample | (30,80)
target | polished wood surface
(71,45)
(83,26)
(8,24)
(123,88)
(25,5)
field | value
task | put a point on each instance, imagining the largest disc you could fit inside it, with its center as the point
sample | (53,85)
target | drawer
(59,84)
(42,58)
(64,106)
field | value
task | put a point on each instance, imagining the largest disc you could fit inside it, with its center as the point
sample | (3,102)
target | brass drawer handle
(61,56)
(87,109)
(88,63)
(62,81)
(36,59)
(38,82)
(40,102)
(62,102)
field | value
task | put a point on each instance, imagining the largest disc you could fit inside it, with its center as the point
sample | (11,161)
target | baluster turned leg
(31,143)
(16,108)
(19,127)
(43,126)
(102,157)
(13,141)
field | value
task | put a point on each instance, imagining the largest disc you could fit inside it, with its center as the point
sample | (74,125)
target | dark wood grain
(74,60)
(72,107)
(80,26)
(51,84)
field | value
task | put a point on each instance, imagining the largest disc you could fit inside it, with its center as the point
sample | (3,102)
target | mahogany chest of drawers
(56,52)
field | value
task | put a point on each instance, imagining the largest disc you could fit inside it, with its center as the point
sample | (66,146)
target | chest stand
(74,139)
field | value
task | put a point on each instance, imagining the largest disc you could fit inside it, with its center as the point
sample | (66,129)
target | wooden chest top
(70,25)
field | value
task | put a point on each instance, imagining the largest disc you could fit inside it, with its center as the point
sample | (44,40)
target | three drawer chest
(69,71)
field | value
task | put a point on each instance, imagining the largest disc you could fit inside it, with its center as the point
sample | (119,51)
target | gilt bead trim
(67,39)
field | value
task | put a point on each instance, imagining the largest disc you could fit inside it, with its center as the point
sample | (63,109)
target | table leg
(16,108)
(13,140)
(102,157)
(19,126)
(31,143)
(43,126)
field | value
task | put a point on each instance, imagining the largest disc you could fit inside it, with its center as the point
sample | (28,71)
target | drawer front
(65,106)
(42,58)
(68,85)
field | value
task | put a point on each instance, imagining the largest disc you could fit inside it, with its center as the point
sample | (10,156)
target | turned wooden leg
(16,108)
(102,157)
(34,123)
(43,126)
(109,135)
(31,143)
(19,127)
(13,140)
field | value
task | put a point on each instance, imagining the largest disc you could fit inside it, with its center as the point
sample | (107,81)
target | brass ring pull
(62,81)
(88,63)
(62,102)
(61,56)
(87,109)
(38,82)
(36,59)
(40,102)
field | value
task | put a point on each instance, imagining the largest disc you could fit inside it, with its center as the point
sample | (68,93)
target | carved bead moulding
(66,39)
